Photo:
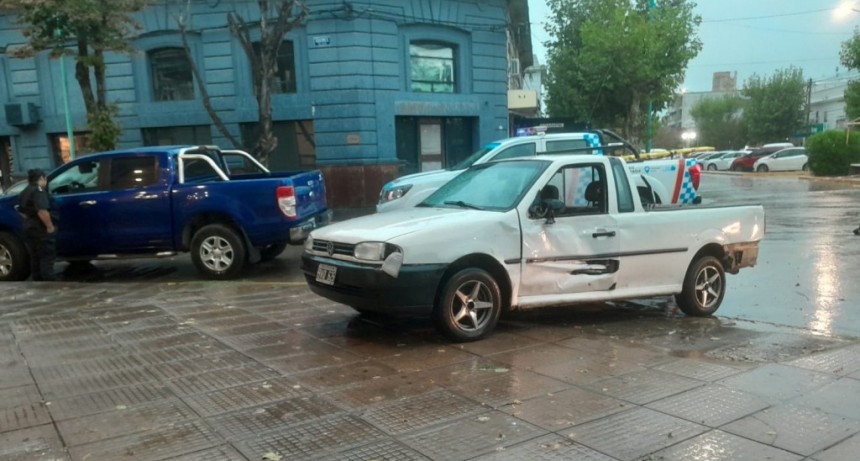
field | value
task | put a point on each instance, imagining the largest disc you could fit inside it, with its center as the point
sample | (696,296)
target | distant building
(827,102)
(678,115)
(365,91)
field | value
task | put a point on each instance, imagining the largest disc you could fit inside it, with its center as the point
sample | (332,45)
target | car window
(198,170)
(565,145)
(133,172)
(580,187)
(238,164)
(519,150)
(494,186)
(83,177)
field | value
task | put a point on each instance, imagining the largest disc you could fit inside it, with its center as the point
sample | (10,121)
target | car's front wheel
(736,168)
(218,251)
(712,167)
(469,305)
(14,259)
(762,169)
(704,287)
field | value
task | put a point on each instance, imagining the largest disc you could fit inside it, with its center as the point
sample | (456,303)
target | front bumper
(300,232)
(367,288)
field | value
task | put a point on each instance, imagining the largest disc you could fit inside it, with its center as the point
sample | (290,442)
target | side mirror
(546,208)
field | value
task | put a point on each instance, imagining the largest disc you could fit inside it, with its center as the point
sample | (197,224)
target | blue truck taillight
(286,196)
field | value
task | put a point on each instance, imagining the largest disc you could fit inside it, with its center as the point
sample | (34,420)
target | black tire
(805,167)
(270,252)
(712,167)
(704,287)
(14,259)
(218,252)
(468,306)
(762,169)
(736,168)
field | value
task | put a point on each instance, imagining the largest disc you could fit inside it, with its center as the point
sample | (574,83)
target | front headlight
(390,192)
(369,251)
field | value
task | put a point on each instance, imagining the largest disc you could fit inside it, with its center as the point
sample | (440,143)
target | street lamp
(688,137)
(844,10)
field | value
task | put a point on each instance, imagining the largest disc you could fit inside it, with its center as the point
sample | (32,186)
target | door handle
(87,203)
(603,233)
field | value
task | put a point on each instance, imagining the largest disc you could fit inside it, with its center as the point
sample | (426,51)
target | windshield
(496,186)
(470,160)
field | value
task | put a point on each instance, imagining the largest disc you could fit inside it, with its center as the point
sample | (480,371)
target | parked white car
(791,159)
(531,232)
(723,162)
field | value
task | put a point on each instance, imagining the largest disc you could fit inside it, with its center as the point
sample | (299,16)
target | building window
(197,135)
(285,78)
(62,149)
(171,75)
(432,67)
(296,144)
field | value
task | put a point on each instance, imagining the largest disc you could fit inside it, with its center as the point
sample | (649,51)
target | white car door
(576,250)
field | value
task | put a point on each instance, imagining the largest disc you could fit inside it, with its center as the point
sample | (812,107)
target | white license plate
(326,273)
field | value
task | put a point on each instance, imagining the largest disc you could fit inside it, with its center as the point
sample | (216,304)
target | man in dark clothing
(34,203)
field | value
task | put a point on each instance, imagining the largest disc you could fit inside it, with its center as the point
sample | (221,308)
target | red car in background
(746,162)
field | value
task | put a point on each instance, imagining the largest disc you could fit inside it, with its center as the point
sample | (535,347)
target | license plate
(326,273)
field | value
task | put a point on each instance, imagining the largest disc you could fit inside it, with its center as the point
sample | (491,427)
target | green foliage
(719,122)
(852,100)
(85,29)
(830,153)
(607,58)
(104,130)
(776,107)
(850,58)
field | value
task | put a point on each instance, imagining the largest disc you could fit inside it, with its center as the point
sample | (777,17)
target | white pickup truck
(661,181)
(530,232)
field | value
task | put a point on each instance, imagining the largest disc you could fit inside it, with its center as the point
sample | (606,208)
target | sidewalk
(267,371)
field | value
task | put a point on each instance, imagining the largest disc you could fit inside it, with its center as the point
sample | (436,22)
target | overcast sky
(753,36)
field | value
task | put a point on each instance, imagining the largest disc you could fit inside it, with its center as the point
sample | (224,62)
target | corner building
(366,90)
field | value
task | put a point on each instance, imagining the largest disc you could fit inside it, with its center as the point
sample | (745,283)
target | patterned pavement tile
(221,379)
(633,434)
(421,411)
(164,442)
(560,410)
(840,398)
(720,446)
(244,396)
(383,450)
(711,405)
(23,416)
(837,361)
(846,450)
(341,376)
(124,397)
(699,369)
(276,416)
(222,453)
(546,448)
(124,421)
(87,384)
(385,389)
(314,439)
(509,387)
(642,387)
(41,443)
(793,428)
(777,382)
(472,436)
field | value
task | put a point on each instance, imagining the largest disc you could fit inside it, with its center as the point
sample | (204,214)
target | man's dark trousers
(43,252)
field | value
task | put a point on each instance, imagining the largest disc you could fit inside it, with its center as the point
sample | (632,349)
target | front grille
(323,246)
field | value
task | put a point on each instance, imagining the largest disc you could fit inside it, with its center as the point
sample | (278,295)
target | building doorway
(5,162)
(433,143)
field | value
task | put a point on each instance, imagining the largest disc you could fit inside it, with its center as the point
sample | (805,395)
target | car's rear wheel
(14,259)
(805,167)
(762,169)
(218,251)
(704,287)
(469,305)
(712,167)
(736,168)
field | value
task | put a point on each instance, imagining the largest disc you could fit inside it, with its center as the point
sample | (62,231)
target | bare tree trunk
(204,94)
(82,75)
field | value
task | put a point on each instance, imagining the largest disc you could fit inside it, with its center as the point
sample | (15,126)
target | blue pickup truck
(222,206)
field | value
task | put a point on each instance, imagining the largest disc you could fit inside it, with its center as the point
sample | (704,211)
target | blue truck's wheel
(704,287)
(218,251)
(14,259)
(469,305)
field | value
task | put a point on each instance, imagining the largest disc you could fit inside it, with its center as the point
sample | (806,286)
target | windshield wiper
(462,204)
